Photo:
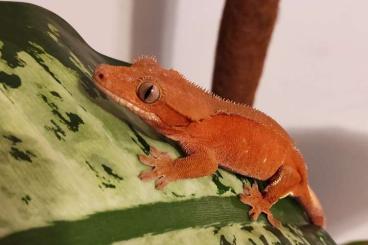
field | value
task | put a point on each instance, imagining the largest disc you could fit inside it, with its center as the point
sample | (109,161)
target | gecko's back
(253,114)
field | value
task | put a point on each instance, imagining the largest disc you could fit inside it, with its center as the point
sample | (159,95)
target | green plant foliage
(357,243)
(68,165)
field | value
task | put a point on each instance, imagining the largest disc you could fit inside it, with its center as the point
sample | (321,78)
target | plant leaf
(68,165)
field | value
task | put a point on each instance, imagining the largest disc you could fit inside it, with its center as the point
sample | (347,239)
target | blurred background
(314,82)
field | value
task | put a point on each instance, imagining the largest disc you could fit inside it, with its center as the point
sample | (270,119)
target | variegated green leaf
(68,165)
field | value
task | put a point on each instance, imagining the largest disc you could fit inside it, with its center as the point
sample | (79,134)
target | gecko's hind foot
(161,167)
(254,198)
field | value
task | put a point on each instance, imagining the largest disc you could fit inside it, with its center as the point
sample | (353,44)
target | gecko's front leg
(165,169)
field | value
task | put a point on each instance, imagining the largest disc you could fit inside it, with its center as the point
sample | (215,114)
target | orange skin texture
(213,133)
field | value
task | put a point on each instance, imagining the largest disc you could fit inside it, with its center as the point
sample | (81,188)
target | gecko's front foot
(162,169)
(254,198)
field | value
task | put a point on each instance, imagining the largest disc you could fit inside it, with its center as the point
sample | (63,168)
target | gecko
(212,132)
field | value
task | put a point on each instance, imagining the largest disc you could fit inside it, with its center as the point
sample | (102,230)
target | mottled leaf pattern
(68,157)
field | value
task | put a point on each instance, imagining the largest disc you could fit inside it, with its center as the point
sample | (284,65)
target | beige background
(315,80)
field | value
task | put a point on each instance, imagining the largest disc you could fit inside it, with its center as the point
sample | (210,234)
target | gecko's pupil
(148,92)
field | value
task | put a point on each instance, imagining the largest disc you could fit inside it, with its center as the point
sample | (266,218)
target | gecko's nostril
(101,75)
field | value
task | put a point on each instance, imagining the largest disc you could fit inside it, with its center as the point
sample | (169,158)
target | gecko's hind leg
(282,183)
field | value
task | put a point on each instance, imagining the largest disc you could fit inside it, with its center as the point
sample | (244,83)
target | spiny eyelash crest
(145,79)
(145,57)
(205,91)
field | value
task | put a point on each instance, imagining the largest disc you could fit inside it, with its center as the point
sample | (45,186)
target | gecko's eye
(148,92)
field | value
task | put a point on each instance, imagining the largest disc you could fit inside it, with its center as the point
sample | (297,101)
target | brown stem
(244,36)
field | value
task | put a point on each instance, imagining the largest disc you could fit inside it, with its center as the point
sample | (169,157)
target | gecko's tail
(309,200)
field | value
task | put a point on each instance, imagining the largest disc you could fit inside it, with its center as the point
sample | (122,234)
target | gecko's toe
(162,156)
(273,221)
(148,175)
(161,183)
(154,152)
(254,213)
(246,191)
(146,160)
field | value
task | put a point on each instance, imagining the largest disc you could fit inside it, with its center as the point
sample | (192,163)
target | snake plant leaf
(68,157)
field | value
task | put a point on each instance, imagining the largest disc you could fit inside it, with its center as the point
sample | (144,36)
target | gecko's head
(159,96)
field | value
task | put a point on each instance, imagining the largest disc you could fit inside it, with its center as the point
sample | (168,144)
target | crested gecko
(213,132)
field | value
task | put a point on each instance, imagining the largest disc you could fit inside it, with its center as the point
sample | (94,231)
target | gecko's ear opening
(145,61)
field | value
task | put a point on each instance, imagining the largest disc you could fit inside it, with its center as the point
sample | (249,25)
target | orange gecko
(212,132)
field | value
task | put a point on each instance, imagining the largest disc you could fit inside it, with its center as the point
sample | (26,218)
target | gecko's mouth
(142,113)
